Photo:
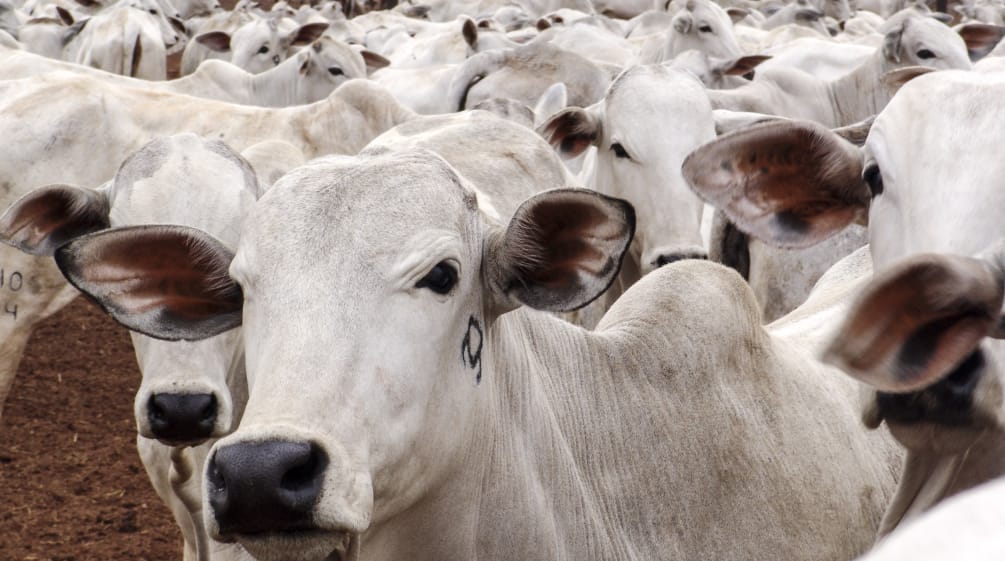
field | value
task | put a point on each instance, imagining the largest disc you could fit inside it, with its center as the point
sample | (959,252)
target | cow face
(923,332)
(368,289)
(704,26)
(642,135)
(187,393)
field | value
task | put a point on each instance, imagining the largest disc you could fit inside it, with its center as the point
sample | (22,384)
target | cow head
(642,135)
(704,26)
(923,334)
(187,391)
(368,289)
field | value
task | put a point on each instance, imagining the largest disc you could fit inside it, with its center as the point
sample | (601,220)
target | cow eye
(263,49)
(153,11)
(874,179)
(440,279)
(620,151)
(335,71)
(705,28)
(925,54)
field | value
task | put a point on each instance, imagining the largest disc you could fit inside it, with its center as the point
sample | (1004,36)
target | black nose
(674,257)
(176,418)
(272,486)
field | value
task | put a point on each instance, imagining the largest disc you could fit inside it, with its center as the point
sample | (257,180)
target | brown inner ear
(919,320)
(565,247)
(788,183)
(148,277)
(51,216)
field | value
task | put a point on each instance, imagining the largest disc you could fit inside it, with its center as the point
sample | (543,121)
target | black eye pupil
(874,179)
(335,71)
(440,279)
(925,53)
(263,50)
(619,150)
(705,29)
(154,12)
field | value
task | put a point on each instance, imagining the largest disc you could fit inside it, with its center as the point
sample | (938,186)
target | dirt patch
(71,483)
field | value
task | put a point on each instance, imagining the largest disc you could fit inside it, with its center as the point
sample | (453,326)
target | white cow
(127,40)
(700,25)
(911,40)
(309,76)
(967,526)
(640,162)
(191,393)
(524,74)
(256,46)
(924,333)
(679,429)
(44,119)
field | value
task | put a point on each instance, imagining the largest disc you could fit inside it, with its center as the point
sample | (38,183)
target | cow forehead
(960,107)
(358,209)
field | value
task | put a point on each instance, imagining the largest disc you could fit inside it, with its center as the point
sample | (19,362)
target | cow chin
(308,545)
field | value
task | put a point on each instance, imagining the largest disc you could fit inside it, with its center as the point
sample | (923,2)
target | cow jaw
(305,545)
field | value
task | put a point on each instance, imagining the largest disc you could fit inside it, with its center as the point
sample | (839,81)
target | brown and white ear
(856,133)
(891,42)
(168,282)
(738,66)
(560,251)
(737,14)
(788,183)
(307,34)
(46,218)
(895,79)
(470,32)
(914,323)
(218,41)
(373,61)
(572,130)
(727,121)
(65,15)
(980,38)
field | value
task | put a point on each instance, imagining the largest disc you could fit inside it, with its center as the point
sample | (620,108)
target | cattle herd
(530,279)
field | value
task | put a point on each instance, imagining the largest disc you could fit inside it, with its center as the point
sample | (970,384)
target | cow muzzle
(181,419)
(262,487)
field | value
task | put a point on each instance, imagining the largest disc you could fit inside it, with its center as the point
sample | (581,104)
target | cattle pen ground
(71,483)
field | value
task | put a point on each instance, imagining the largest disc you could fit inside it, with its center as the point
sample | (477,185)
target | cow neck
(929,478)
(347,120)
(859,94)
(278,86)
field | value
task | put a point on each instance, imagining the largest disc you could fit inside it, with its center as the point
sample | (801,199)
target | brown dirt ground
(72,487)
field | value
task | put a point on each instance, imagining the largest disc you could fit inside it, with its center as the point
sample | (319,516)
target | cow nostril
(181,418)
(674,257)
(270,486)
(305,474)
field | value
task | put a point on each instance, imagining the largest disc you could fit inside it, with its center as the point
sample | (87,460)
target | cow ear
(737,14)
(895,79)
(178,25)
(560,251)
(891,42)
(308,33)
(914,323)
(572,130)
(50,216)
(168,282)
(218,41)
(71,32)
(788,183)
(374,61)
(739,66)
(64,15)
(553,100)
(980,38)
(470,32)
(682,22)
(809,15)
